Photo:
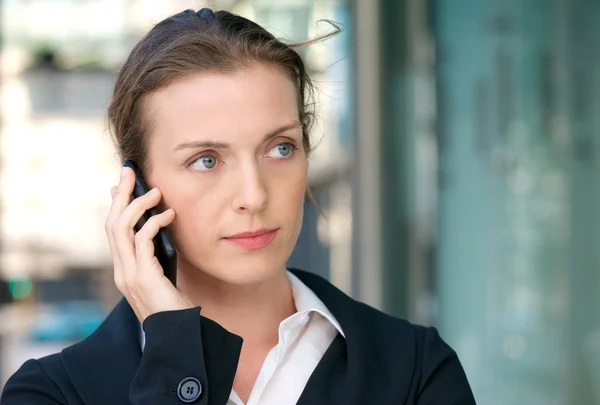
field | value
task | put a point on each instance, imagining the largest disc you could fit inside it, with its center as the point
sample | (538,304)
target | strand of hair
(337,28)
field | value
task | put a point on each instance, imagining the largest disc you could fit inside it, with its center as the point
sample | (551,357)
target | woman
(215,111)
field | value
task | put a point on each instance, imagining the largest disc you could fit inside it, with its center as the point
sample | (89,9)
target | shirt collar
(307,301)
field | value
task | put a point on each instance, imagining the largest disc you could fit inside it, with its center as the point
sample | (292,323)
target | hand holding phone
(164,250)
(143,255)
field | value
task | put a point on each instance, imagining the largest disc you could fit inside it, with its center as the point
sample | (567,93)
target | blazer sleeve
(443,380)
(31,385)
(182,345)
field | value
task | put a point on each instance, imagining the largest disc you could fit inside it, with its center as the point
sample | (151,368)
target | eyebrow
(222,145)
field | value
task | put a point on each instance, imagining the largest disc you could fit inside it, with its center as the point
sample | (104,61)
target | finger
(144,245)
(134,211)
(122,194)
(123,232)
(111,244)
(148,269)
(117,272)
(120,199)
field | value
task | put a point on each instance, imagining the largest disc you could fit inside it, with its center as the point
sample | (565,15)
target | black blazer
(382,361)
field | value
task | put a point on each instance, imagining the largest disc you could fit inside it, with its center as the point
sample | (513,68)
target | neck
(253,312)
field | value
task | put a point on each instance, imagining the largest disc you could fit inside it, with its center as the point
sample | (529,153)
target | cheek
(193,208)
(287,195)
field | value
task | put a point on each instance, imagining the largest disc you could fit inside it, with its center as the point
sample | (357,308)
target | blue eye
(281,150)
(204,163)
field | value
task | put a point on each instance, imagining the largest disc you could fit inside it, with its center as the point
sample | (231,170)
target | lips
(253,240)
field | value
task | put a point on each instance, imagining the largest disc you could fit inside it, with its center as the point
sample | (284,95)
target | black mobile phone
(164,249)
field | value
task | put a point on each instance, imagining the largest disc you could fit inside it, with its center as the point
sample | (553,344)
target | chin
(243,270)
(249,275)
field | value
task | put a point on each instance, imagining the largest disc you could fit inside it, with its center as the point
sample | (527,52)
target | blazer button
(189,390)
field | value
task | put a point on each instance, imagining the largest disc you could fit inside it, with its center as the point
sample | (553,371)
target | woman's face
(226,152)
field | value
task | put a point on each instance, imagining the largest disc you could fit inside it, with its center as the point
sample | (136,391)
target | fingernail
(122,173)
(154,191)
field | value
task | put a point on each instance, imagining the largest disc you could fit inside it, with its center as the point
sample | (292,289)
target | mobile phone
(164,249)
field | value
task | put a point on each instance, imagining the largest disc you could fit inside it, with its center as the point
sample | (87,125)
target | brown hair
(191,42)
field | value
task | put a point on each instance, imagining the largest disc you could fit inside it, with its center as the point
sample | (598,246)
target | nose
(251,195)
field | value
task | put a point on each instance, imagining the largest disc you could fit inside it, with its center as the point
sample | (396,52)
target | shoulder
(420,344)
(53,379)
(416,359)
(420,361)
(38,380)
(396,331)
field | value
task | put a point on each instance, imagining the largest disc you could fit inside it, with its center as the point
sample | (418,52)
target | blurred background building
(457,170)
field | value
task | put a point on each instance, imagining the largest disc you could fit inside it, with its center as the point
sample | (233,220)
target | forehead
(248,102)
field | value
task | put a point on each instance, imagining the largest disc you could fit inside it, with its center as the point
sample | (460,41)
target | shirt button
(189,390)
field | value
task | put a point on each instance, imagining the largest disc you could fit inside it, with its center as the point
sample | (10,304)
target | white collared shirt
(304,337)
